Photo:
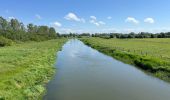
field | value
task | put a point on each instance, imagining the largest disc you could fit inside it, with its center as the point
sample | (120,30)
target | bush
(5,42)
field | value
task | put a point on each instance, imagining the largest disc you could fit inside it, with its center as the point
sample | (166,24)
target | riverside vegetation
(27,56)
(26,67)
(151,55)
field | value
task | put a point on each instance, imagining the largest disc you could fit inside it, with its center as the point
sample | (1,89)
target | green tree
(3,23)
(15,24)
(43,30)
(30,28)
(52,32)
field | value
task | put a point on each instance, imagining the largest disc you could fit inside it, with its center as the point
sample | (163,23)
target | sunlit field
(26,67)
(149,54)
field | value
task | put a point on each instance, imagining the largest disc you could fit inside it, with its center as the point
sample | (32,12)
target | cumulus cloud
(149,20)
(74,17)
(132,20)
(93,20)
(38,16)
(56,24)
(109,17)
(93,17)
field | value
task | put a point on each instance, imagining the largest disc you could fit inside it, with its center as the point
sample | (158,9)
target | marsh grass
(25,68)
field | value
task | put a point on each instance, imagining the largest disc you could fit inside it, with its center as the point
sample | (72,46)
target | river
(84,73)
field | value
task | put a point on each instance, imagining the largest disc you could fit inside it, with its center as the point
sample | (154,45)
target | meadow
(25,68)
(151,55)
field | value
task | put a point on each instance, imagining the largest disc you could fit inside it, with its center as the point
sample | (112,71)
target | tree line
(120,35)
(15,30)
(133,35)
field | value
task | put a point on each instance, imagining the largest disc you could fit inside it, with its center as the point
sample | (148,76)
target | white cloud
(74,17)
(101,22)
(56,24)
(93,17)
(95,21)
(11,17)
(97,24)
(38,16)
(132,20)
(149,20)
(109,17)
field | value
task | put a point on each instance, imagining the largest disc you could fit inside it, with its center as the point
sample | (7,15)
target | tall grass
(152,55)
(26,67)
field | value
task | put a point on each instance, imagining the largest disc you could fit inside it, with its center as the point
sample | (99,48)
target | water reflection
(86,74)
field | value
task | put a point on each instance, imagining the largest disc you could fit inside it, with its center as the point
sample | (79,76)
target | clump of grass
(26,68)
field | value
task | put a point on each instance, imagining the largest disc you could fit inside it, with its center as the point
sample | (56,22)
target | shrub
(5,42)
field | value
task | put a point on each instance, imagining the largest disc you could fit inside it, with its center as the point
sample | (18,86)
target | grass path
(25,69)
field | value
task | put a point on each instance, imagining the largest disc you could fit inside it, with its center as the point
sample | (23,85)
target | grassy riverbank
(152,55)
(25,68)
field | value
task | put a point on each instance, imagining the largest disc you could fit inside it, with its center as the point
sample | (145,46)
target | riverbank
(26,68)
(151,55)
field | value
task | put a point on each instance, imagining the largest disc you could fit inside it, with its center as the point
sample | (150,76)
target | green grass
(152,55)
(25,68)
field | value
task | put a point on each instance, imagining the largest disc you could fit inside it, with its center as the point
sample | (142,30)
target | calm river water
(84,73)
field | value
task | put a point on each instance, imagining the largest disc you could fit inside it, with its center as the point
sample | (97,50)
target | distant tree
(22,27)
(30,28)
(43,30)
(163,35)
(52,32)
(3,23)
(153,36)
(16,30)
(15,24)
(93,35)
(111,36)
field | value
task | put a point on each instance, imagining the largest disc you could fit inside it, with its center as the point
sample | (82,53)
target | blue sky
(91,15)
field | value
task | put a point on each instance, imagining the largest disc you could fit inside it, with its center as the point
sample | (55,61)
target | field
(26,67)
(152,55)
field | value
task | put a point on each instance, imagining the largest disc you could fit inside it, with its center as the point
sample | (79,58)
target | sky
(92,16)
